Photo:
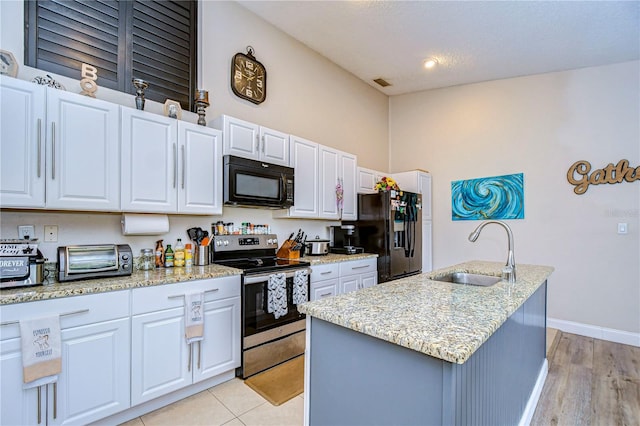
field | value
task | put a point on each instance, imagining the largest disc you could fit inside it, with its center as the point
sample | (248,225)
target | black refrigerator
(390,224)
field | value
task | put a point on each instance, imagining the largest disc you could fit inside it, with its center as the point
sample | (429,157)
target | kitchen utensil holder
(286,251)
(201,256)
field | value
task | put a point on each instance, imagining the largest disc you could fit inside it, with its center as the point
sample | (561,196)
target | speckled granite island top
(444,320)
(52,289)
(335,258)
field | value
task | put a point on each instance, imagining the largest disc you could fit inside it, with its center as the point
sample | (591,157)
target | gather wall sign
(581,176)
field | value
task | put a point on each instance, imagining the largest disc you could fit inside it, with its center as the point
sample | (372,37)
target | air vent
(382,82)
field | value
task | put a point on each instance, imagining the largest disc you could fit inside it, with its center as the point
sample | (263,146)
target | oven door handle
(252,279)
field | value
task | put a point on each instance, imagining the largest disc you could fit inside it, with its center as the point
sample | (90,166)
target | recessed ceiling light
(430,62)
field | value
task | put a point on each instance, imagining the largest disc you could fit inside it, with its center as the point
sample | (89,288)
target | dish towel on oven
(300,294)
(41,350)
(194,320)
(277,295)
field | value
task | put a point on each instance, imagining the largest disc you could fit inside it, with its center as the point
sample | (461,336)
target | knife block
(286,250)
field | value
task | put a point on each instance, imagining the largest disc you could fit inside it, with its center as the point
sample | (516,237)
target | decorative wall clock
(248,77)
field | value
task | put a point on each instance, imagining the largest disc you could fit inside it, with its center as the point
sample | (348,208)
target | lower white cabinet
(94,382)
(342,277)
(358,274)
(162,362)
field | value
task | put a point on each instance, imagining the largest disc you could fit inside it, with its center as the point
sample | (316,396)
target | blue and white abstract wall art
(497,197)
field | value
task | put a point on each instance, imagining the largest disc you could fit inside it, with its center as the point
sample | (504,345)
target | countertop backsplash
(104,228)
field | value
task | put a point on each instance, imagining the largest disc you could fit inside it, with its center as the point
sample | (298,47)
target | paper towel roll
(144,224)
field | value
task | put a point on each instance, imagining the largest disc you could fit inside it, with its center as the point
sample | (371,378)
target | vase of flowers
(386,184)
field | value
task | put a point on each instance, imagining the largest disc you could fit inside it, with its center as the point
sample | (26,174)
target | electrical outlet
(26,232)
(51,233)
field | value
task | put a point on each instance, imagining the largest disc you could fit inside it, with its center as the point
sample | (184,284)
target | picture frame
(8,64)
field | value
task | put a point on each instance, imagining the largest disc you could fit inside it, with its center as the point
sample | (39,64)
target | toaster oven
(83,262)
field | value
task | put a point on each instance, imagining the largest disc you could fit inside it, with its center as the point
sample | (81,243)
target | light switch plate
(26,231)
(622,228)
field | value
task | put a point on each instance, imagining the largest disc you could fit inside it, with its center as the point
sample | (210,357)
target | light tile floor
(231,404)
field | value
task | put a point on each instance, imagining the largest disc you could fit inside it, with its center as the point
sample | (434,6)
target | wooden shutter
(152,40)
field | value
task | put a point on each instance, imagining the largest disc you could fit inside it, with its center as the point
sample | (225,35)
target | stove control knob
(218,243)
(226,242)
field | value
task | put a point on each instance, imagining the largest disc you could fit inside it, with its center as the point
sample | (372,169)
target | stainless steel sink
(466,278)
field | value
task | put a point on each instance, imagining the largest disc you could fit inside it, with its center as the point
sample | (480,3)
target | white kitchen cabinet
(169,166)
(83,152)
(420,181)
(358,274)
(367,179)
(161,359)
(348,175)
(324,281)
(342,277)
(22,143)
(329,164)
(337,166)
(305,161)
(61,141)
(250,140)
(94,381)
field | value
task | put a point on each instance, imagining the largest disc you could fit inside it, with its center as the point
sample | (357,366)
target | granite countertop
(444,320)
(335,258)
(52,289)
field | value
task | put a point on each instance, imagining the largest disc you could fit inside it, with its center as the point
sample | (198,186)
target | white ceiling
(472,40)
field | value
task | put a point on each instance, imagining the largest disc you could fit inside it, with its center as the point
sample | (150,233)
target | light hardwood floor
(591,382)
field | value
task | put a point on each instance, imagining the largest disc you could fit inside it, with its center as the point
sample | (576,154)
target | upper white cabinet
(318,170)
(169,166)
(83,152)
(304,158)
(348,175)
(61,141)
(22,143)
(367,179)
(249,140)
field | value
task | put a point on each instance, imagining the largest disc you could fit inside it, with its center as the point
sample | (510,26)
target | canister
(201,256)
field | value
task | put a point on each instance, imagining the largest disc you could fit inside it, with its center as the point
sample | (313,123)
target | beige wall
(306,94)
(539,125)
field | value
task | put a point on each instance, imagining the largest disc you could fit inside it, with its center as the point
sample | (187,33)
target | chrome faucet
(509,272)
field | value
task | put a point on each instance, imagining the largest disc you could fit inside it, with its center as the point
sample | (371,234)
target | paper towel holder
(144,224)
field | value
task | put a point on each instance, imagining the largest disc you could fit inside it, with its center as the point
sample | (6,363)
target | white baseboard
(603,333)
(530,408)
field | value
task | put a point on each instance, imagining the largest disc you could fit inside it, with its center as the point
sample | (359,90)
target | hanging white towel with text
(300,287)
(41,350)
(194,317)
(277,295)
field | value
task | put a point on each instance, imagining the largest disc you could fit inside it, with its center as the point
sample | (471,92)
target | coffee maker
(344,238)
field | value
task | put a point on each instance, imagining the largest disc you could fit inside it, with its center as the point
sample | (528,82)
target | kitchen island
(421,351)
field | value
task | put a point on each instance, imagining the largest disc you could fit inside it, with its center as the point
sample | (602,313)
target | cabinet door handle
(359,267)
(175,165)
(39,404)
(325,273)
(55,400)
(183,166)
(199,353)
(53,150)
(257,142)
(190,355)
(263,143)
(39,146)
(325,294)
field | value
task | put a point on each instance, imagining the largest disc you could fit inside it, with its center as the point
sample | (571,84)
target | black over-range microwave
(257,184)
